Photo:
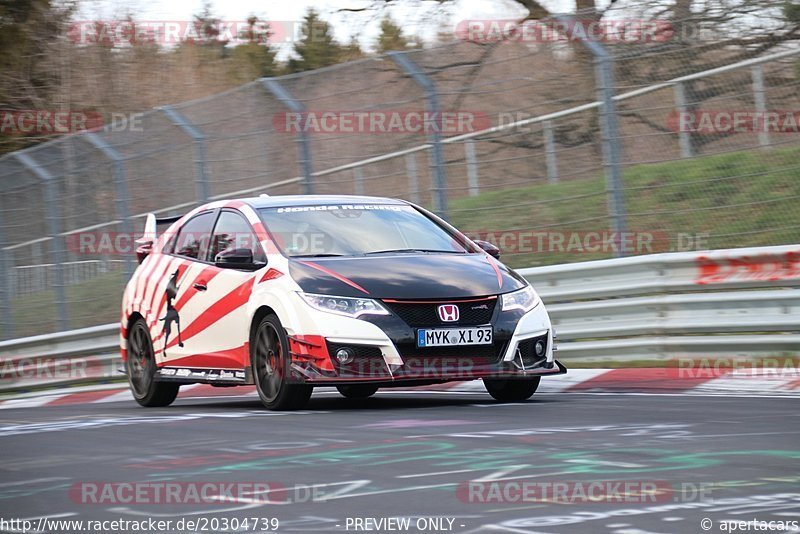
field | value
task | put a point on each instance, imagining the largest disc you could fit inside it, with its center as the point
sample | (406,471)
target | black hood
(405,276)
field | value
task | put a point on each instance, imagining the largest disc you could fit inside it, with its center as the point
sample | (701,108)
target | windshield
(356,230)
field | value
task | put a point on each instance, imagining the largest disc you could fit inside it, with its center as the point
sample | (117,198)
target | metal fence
(724,306)
(566,146)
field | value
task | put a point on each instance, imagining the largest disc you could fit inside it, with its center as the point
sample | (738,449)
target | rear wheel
(270,359)
(357,391)
(511,390)
(141,367)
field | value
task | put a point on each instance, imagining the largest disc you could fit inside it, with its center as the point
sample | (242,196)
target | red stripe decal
(156,312)
(236,358)
(496,270)
(156,275)
(205,275)
(334,275)
(271,274)
(310,348)
(218,310)
(455,300)
(156,263)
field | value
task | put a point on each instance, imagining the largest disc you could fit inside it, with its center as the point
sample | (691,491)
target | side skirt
(193,375)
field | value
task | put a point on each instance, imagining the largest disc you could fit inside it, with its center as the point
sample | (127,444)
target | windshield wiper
(412,250)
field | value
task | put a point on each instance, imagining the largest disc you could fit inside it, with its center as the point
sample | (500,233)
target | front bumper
(385,351)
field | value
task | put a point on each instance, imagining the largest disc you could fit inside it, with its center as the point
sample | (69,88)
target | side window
(192,241)
(233,231)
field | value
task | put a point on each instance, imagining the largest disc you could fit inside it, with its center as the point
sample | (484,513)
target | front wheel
(141,367)
(357,391)
(511,390)
(270,359)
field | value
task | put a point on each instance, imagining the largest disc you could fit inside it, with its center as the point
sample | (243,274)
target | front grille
(475,355)
(368,361)
(471,312)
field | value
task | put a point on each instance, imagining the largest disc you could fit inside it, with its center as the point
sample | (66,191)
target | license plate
(449,337)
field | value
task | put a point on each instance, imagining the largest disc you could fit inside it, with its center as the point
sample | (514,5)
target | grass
(747,198)
(88,304)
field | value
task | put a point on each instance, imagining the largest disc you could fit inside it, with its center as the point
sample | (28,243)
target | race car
(295,292)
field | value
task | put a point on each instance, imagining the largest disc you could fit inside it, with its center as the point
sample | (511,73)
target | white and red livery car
(293,292)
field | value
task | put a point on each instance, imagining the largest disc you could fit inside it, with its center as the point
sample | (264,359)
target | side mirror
(489,248)
(238,258)
(143,250)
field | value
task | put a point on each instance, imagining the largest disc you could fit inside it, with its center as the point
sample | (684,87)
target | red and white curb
(762,382)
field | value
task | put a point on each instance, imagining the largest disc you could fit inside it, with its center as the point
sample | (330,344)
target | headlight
(348,306)
(524,299)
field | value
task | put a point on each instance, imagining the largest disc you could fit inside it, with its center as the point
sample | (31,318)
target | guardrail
(726,303)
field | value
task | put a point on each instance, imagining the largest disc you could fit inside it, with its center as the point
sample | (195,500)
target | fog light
(345,356)
(539,348)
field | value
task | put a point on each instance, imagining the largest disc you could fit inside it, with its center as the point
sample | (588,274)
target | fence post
(550,152)
(760,103)
(294,105)
(6,292)
(53,217)
(472,168)
(604,71)
(358,177)
(121,189)
(199,142)
(413,180)
(439,188)
(684,136)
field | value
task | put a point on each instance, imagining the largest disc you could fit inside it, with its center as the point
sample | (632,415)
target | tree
(317,48)
(351,51)
(254,58)
(206,27)
(32,32)
(391,37)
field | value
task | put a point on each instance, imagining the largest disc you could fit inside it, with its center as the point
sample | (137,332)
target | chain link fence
(517,147)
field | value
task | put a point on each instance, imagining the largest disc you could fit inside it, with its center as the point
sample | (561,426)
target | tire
(357,391)
(511,390)
(141,368)
(269,356)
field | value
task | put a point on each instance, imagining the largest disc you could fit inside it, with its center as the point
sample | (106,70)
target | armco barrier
(725,303)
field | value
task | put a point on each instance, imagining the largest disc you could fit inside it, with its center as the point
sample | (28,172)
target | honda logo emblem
(448,313)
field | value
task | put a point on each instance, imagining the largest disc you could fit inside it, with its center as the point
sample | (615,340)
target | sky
(417,17)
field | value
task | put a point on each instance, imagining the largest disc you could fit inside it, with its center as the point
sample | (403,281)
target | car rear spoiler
(151,223)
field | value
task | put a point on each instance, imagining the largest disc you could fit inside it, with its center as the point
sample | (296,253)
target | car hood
(405,276)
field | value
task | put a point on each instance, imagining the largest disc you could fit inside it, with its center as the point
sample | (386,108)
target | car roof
(317,200)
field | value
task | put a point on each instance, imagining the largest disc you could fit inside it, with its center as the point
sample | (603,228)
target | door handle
(200,287)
